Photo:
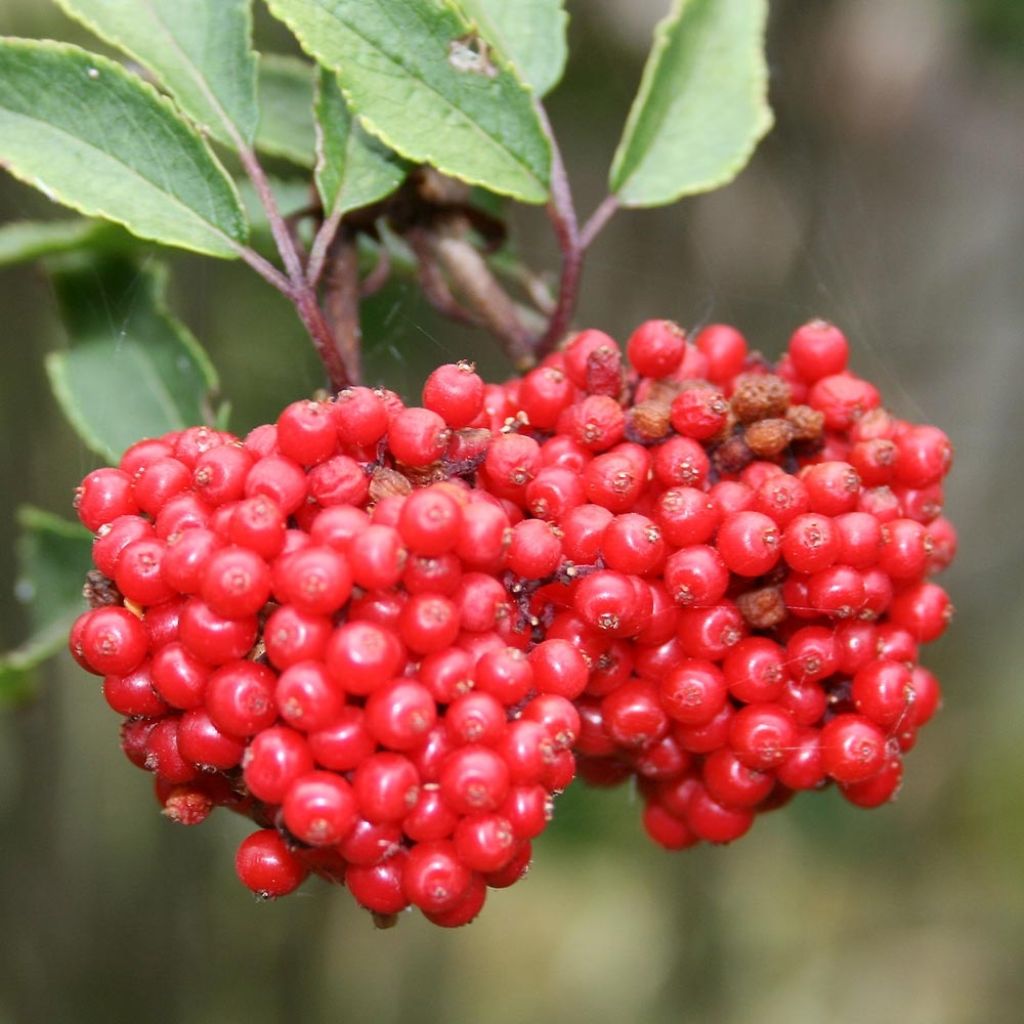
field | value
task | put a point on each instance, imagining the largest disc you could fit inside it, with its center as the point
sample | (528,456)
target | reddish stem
(299,290)
(562,214)
(598,219)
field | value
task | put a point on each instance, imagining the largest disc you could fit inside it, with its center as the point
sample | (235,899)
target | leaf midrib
(198,78)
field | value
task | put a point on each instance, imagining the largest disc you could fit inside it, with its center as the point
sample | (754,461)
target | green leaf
(420,79)
(27,240)
(702,105)
(530,33)
(200,51)
(98,139)
(353,169)
(131,370)
(53,558)
(286,109)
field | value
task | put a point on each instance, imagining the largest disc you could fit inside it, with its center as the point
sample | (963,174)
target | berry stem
(324,340)
(278,228)
(562,214)
(598,219)
(301,287)
(342,301)
(321,244)
(265,269)
(479,288)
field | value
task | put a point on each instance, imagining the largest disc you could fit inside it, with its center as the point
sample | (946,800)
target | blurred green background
(889,198)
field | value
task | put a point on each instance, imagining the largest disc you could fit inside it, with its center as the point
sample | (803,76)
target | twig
(598,219)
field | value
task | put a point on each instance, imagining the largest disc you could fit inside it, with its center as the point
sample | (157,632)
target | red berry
(699,412)
(748,543)
(818,349)
(320,808)
(280,479)
(732,783)
(179,676)
(853,748)
(133,694)
(139,572)
(316,580)
(103,496)
(923,610)
(240,698)
(656,348)
(212,638)
(762,735)
(417,437)
(379,887)
(710,821)
(307,697)
(343,744)
(204,745)
(113,641)
(235,582)
(666,829)
(725,350)
(694,692)
(306,432)
(400,713)
(475,779)
(434,878)
(455,393)
(558,668)
(266,865)
(273,760)
(484,842)
(386,787)
(696,576)
(360,417)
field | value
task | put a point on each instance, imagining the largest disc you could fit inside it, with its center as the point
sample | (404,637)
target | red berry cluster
(390,634)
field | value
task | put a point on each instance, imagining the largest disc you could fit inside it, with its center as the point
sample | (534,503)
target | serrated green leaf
(200,51)
(531,34)
(27,240)
(131,369)
(90,135)
(53,558)
(353,169)
(419,79)
(286,109)
(702,105)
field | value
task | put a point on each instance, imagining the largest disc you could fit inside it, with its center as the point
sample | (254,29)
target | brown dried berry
(387,483)
(99,591)
(732,455)
(766,438)
(664,390)
(763,608)
(758,396)
(650,419)
(808,424)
